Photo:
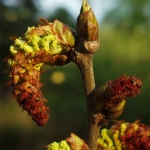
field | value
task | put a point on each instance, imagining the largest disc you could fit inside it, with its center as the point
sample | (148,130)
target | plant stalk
(84,60)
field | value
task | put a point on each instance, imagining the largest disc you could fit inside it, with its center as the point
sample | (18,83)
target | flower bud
(87,26)
(110,98)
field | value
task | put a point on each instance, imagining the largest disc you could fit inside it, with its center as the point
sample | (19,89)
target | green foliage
(129,14)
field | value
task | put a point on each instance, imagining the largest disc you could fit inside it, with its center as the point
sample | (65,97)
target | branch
(83,58)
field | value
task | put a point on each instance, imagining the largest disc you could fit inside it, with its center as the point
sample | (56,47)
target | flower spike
(110,98)
(48,44)
(125,136)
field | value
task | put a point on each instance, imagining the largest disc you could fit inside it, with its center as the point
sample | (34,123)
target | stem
(84,62)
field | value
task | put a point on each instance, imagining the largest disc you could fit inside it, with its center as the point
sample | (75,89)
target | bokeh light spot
(58,77)
(10,15)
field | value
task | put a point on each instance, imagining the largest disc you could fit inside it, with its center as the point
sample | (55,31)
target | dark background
(125,49)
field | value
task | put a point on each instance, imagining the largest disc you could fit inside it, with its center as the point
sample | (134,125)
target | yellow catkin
(105,140)
(117,140)
(59,146)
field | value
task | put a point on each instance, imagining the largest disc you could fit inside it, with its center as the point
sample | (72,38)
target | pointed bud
(110,98)
(87,26)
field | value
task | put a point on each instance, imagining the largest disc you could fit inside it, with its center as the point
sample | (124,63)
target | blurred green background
(125,49)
